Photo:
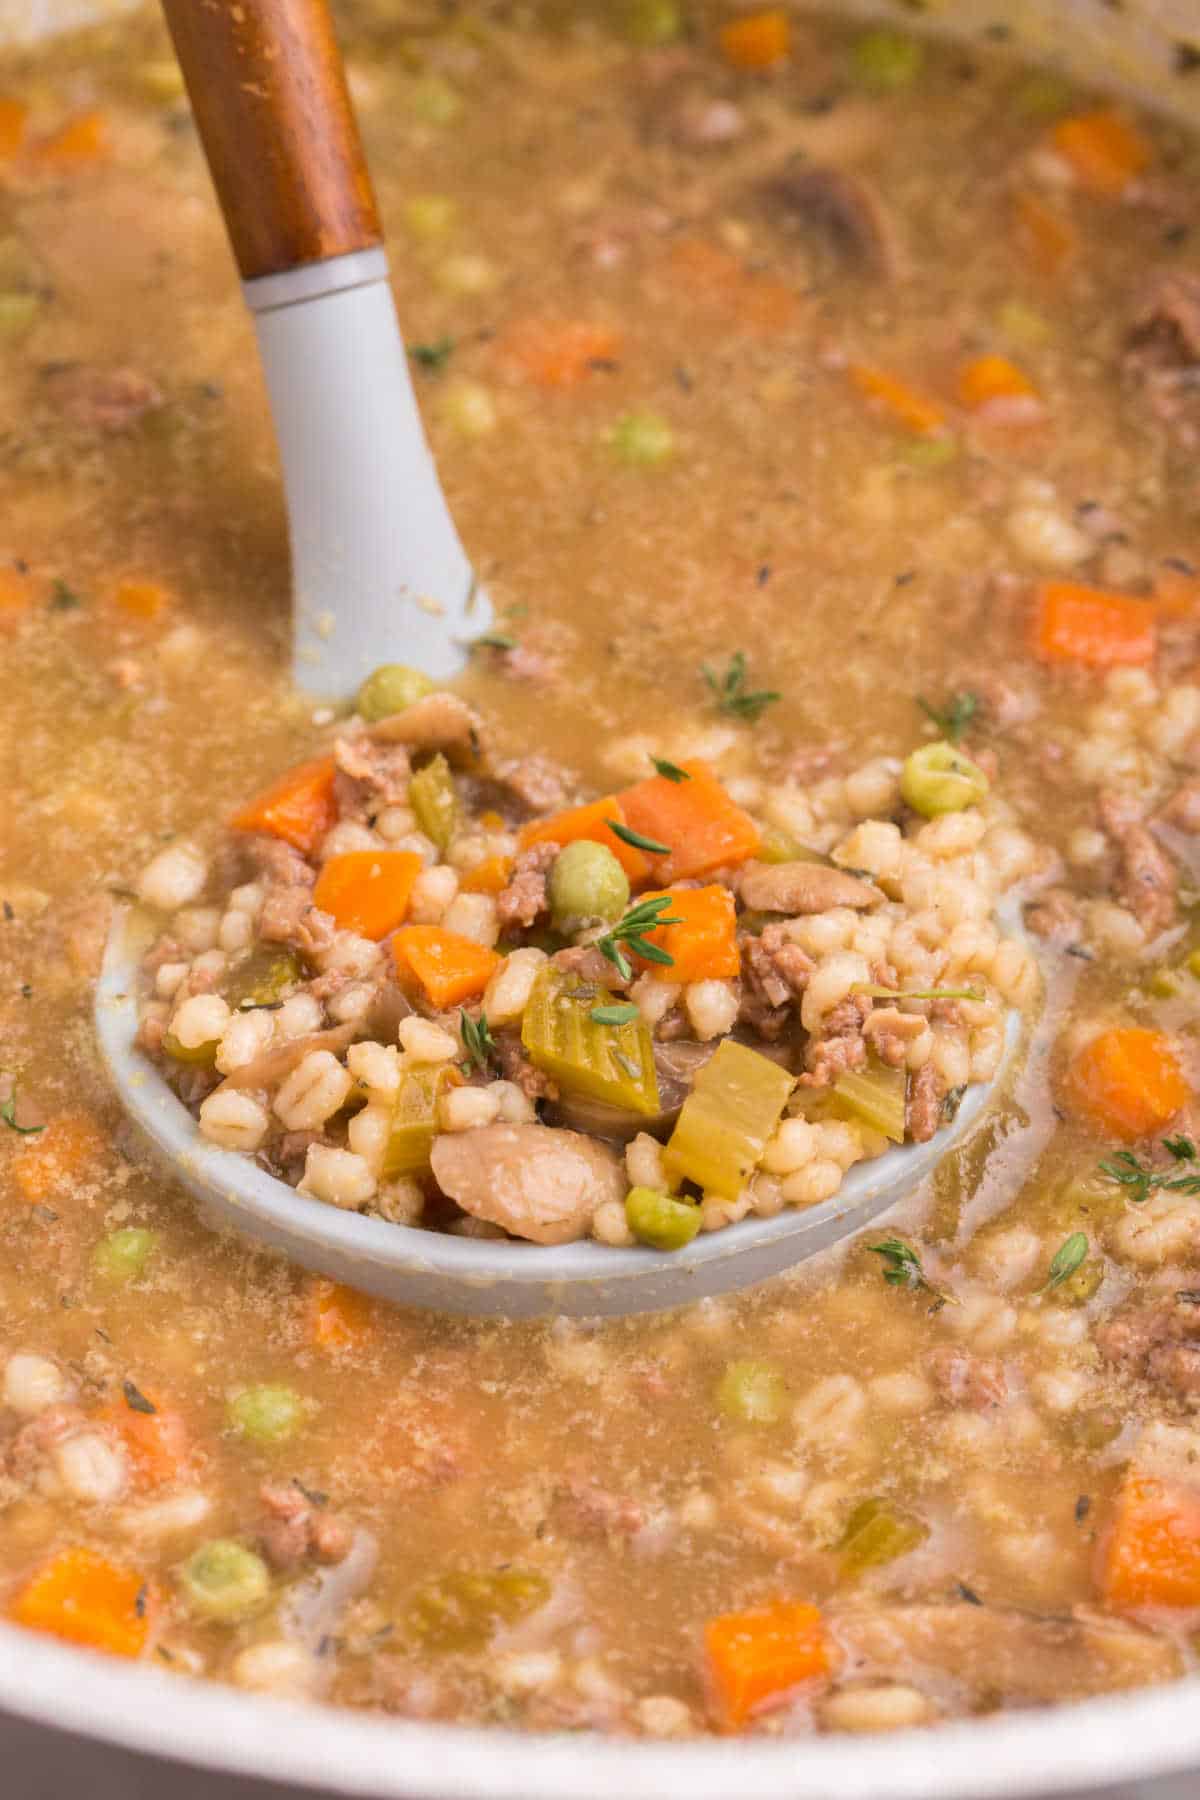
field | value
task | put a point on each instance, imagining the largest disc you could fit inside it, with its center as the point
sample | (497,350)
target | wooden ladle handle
(269,96)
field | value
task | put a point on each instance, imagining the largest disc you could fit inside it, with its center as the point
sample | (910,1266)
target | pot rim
(1154,1731)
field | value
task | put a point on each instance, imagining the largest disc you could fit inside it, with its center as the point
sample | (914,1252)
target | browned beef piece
(297,1528)
(890,1032)
(923,1110)
(1146,878)
(590,964)
(766,1002)
(151,1034)
(845,208)
(1003,705)
(289,917)
(1055,916)
(107,400)
(1182,810)
(1162,352)
(516,1066)
(369,777)
(164,950)
(964,1379)
(1158,1341)
(540,785)
(841,1045)
(280,863)
(524,900)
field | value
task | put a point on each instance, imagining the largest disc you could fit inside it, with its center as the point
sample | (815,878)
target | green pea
(461,1609)
(643,440)
(269,1414)
(651,22)
(587,882)
(937,778)
(887,61)
(659,1221)
(752,1392)
(223,1580)
(390,689)
(123,1255)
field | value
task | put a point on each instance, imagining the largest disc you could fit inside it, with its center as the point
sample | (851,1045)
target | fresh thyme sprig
(668,770)
(646,916)
(637,840)
(8,1114)
(953,720)
(731,693)
(477,1041)
(902,1268)
(433,356)
(623,1014)
(1070,1255)
(1140,1179)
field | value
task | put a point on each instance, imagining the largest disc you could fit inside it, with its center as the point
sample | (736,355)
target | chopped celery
(877,1533)
(726,1120)
(18,312)
(875,1095)
(928,453)
(1022,324)
(1164,983)
(194,1056)
(123,1254)
(613,1063)
(659,1220)
(414,1118)
(430,215)
(887,61)
(435,102)
(643,440)
(1081,1285)
(778,846)
(263,977)
(1192,963)
(461,1610)
(434,798)
(651,22)
(753,1393)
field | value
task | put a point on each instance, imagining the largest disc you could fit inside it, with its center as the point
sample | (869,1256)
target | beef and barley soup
(821,407)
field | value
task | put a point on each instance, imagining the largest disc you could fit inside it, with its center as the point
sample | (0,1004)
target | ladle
(379,575)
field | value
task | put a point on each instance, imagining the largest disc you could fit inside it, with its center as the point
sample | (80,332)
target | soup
(842,497)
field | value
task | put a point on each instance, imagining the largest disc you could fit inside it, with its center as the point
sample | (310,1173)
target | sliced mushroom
(676,1065)
(1027,1658)
(533,1181)
(844,208)
(271,1066)
(803,887)
(438,722)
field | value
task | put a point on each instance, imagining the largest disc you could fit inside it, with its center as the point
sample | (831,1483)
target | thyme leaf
(477,1041)
(1141,1179)
(731,693)
(493,640)
(1070,1255)
(902,1268)
(646,916)
(8,1112)
(135,1400)
(614,1015)
(953,720)
(63,598)
(635,838)
(432,356)
(668,770)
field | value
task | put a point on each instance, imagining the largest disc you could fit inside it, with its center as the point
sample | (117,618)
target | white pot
(75,1724)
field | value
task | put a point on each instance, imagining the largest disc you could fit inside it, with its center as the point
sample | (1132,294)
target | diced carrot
(67,1147)
(557,353)
(156,1443)
(367,891)
(1076,623)
(757,41)
(1048,240)
(450,968)
(337,1316)
(299,808)
(903,404)
(751,301)
(16,593)
(1151,1555)
(591,822)
(1126,1082)
(488,876)
(1104,149)
(702,827)
(141,599)
(990,378)
(80,1596)
(82,140)
(703,946)
(14,120)
(757,1659)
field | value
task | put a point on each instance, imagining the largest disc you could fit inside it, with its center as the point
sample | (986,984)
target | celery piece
(753,1393)
(875,1096)
(876,1533)
(461,1610)
(1080,1286)
(1192,963)
(1164,983)
(414,1118)
(17,313)
(649,23)
(726,1120)
(263,977)
(887,61)
(778,846)
(613,1063)
(641,440)
(194,1056)
(434,798)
